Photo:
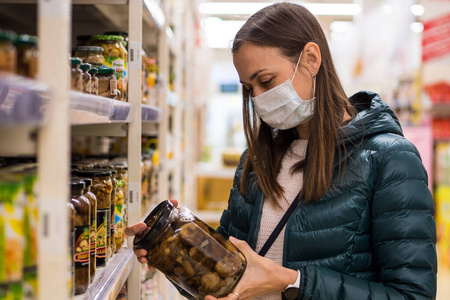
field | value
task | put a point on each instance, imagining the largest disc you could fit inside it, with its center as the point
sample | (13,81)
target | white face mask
(281,107)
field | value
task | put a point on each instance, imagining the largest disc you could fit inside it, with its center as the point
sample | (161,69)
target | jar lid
(94,173)
(7,35)
(88,49)
(85,67)
(119,166)
(75,61)
(121,33)
(93,71)
(106,71)
(26,40)
(117,38)
(87,181)
(156,220)
(77,184)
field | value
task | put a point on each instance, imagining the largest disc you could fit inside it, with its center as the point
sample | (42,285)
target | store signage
(436,38)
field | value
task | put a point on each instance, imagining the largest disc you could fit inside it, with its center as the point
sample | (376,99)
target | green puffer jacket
(372,237)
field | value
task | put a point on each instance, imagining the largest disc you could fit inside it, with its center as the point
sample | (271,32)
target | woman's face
(262,68)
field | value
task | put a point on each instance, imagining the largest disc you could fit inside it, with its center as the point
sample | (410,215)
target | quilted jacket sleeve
(403,236)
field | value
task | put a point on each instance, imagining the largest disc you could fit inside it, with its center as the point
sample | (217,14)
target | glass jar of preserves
(27,55)
(93,229)
(123,34)
(115,55)
(189,252)
(76,74)
(107,83)
(87,86)
(119,204)
(90,54)
(113,209)
(94,81)
(101,188)
(82,231)
(8,53)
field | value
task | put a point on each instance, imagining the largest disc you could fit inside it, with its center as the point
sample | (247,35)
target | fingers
(135,228)
(141,255)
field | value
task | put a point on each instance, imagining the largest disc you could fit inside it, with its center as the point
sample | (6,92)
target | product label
(82,246)
(113,86)
(88,86)
(118,222)
(94,86)
(93,238)
(115,63)
(102,222)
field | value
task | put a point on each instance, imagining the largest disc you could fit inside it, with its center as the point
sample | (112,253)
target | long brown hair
(289,27)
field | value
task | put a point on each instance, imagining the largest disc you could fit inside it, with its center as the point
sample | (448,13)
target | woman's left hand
(262,276)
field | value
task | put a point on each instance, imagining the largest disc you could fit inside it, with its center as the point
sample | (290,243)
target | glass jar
(71,269)
(8,53)
(107,83)
(27,55)
(93,229)
(120,84)
(76,74)
(87,86)
(123,34)
(82,232)
(94,81)
(122,178)
(101,188)
(119,203)
(115,55)
(90,54)
(113,209)
(82,165)
(190,253)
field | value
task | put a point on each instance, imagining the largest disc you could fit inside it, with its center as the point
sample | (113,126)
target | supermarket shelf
(153,13)
(109,280)
(151,114)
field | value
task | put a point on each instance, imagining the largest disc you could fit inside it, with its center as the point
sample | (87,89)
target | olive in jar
(190,253)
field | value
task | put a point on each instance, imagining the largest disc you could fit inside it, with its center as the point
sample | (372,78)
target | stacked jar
(27,55)
(8,53)
(87,85)
(90,54)
(82,232)
(76,74)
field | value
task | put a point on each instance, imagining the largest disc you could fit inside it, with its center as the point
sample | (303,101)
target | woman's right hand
(134,229)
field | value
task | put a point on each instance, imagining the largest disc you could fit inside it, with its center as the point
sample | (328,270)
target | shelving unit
(57,114)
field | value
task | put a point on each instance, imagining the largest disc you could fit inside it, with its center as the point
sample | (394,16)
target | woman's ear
(312,58)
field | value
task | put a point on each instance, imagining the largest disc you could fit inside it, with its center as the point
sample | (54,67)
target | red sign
(436,38)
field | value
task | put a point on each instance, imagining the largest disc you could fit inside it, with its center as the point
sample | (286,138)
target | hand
(262,275)
(134,229)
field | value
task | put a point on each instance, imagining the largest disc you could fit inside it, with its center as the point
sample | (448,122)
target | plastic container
(27,55)
(87,85)
(76,74)
(82,233)
(90,54)
(101,188)
(93,229)
(190,253)
(8,53)
(107,83)
(94,81)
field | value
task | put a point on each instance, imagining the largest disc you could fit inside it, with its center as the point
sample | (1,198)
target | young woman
(362,226)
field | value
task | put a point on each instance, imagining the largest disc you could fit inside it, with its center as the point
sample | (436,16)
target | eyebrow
(254,75)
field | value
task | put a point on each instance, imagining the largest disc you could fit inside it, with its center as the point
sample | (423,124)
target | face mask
(281,107)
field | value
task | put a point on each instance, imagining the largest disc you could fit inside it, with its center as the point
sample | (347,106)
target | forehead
(251,58)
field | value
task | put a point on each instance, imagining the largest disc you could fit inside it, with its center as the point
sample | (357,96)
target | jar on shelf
(189,252)
(115,55)
(87,86)
(121,204)
(120,84)
(123,34)
(94,81)
(82,165)
(107,83)
(112,248)
(90,54)
(93,229)
(101,188)
(27,55)
(8,52)
(76,74)
(82,233)
(71,265)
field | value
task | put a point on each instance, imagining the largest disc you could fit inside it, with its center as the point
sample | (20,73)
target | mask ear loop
(296,67)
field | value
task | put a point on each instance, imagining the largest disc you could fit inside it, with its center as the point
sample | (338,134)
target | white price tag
(134,56)
(134,190)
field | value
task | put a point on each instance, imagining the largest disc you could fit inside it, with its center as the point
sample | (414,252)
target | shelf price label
(134,56)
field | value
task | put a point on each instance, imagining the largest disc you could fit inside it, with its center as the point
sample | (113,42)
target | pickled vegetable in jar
(119,206)
(76,74)
(107,83)
(87,86)
(93,229)
(94,81)
(27,55)
(190,253)
(123,34)
(82,232)
(8,53)
(101,188)
(90,54)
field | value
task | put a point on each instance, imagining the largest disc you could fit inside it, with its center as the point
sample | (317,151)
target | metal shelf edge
(109,280)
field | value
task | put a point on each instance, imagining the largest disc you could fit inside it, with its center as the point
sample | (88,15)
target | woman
(364,226)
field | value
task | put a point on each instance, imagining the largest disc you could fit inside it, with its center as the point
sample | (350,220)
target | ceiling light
(249,8)
(416,27)
(417,10)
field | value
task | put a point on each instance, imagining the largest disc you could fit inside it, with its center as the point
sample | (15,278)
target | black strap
(276,232)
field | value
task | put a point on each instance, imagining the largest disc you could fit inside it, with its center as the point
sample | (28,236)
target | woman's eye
(267,82)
